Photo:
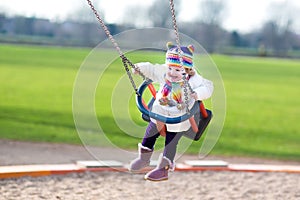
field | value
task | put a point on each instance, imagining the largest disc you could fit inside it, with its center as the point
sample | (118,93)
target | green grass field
(36,85)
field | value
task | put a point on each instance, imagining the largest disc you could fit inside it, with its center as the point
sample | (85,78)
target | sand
(211,185)
(206,185)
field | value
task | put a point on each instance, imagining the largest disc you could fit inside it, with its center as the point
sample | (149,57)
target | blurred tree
(159,14)
(137,16)
(24,25)
(277,31)
(43,27)
(83,25)
(2,21)
(235,39)
(84,14)
(212,13)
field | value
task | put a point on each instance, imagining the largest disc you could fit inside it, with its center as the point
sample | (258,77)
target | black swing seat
(200,120)
(202,124)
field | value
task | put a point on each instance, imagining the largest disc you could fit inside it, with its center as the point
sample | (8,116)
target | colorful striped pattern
(173,58)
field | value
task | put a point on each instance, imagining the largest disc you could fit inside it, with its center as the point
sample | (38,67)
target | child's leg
(165,161)
(161,128)
(150,136)
(145,149)
(171,142)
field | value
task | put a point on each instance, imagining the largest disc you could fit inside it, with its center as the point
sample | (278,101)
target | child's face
(175,74)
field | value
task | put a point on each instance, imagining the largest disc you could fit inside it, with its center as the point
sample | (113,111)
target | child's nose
(173,71)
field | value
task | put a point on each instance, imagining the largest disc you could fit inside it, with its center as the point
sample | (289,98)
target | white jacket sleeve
(203,87)
(155,72)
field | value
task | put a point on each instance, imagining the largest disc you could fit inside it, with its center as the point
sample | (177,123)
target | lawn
(36,87)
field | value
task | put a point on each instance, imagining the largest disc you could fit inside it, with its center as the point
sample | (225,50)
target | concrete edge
(18,171)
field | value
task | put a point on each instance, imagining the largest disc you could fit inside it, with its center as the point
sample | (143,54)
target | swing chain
(176,31)
(186,98)
(186,84)
(104,27)
(125,60)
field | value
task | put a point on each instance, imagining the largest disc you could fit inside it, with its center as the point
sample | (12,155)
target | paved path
(24,153)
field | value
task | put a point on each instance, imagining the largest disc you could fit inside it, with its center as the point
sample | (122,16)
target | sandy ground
(211,185)
(122,185)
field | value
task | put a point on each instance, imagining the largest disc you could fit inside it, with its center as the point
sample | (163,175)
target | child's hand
(195,96)
(190,71)
(135,70)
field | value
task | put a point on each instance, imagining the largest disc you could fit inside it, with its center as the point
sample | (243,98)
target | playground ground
(123,185)
(27,153)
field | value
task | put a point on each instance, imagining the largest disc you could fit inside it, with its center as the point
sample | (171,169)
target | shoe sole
(137,172)
(156,180)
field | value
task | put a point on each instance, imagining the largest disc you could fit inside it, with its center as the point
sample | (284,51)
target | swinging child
(170,103)
(173,76)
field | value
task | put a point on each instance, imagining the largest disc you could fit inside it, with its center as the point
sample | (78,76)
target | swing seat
(202,124)
(201,120)
(146,109)
(145,117)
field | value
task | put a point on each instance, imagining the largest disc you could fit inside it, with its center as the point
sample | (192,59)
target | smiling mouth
(174,78)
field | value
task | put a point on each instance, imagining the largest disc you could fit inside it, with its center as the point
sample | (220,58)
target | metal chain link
(186,98)
(104,27)
(176,30)
(125,60)
(186,84)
